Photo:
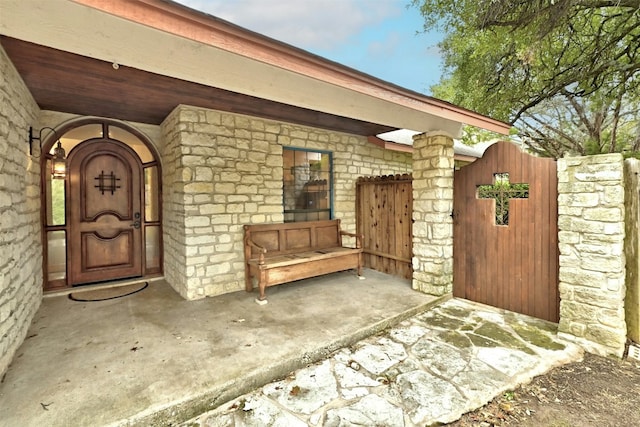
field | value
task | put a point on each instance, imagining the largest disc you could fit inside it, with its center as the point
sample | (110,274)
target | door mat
(107,293)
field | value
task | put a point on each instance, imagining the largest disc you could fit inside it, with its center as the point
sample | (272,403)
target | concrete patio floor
(152,358)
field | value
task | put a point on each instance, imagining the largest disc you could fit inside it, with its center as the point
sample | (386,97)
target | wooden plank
(554,300)
(379,211)
(539,305)
(486,260)
(458,239)
(512,266)
(385,213)
(514,165)
(386,255)
(373,222)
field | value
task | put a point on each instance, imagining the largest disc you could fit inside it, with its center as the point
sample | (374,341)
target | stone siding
(20,241)
(432,206)
(173,215)
(591,242)
(223,170)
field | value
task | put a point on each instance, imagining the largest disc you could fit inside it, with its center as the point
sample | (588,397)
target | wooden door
(384,208)
(505,232)
(105,197)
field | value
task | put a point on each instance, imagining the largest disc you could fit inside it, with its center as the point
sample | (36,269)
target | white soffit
(82,30)
(405,136)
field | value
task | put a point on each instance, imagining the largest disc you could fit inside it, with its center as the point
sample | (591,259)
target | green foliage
(565,72)
(502,191)
(57,204)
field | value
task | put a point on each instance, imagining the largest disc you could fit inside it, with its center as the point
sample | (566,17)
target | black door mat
(105,294)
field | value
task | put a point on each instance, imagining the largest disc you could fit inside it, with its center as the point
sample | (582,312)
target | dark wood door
(105,197)
(505,232)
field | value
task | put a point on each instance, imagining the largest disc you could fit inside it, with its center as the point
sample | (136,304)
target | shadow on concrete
(154,358)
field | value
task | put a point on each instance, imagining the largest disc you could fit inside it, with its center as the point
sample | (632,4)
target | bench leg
(262,296)
(261,300)
(262,284)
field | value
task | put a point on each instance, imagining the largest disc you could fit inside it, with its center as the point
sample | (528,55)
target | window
(308,185)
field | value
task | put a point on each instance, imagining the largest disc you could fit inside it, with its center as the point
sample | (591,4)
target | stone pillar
(220,171)
(591,241)
(432,206)
(20,237)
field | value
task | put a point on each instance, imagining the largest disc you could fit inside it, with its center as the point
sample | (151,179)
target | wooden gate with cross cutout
(505,232)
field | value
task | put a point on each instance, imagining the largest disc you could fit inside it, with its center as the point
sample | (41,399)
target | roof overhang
(402,140)
(156,44)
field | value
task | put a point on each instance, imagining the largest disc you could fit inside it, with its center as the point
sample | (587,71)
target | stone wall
(20,241)
(433,165)
(173,209)
(632,247)
(591,242)
(223,170)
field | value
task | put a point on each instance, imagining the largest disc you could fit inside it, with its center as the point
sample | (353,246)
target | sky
(383,38)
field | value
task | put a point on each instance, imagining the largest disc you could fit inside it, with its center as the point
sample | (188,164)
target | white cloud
(386,47)
(308,24)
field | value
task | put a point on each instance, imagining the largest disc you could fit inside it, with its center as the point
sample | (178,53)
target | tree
(582,125)
(547,66)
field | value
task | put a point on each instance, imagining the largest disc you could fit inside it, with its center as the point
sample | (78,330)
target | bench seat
(281,253)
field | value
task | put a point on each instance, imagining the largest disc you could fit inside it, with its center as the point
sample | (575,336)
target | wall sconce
(58,160)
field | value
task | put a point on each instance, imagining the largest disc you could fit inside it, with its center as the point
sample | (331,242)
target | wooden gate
(505,232)
(383,215)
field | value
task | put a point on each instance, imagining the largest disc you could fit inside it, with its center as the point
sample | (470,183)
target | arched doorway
(102,219)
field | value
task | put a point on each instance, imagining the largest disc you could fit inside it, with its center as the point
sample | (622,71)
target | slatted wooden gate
(505,232)
(383,215)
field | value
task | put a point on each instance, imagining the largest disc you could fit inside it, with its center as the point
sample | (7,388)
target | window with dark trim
(307,184)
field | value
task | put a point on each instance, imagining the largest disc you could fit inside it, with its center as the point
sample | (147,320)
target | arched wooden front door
(105,199)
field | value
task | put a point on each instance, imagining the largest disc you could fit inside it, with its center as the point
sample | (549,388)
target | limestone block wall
(173,208)
(432,206)
(20,242)
(591,238)
(632,247)
(223,170)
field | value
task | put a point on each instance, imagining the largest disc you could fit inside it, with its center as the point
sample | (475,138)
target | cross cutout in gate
(502,191)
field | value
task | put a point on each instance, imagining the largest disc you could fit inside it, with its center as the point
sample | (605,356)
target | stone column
(220,171)
(20,237)
(432,206)
(591,241)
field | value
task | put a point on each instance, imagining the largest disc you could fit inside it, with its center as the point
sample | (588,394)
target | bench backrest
(294,237)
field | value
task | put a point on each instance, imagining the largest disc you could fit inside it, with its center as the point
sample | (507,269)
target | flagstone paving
(429,369)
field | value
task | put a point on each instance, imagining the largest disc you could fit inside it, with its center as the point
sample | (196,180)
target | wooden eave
(138,60)
(62,81)
(185,22)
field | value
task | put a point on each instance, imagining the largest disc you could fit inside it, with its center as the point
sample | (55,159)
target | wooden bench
(281,253)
